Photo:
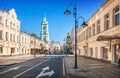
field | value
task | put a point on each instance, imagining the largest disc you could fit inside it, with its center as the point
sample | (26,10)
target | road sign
(68,42)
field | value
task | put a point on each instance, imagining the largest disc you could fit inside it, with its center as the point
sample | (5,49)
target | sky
(32,12)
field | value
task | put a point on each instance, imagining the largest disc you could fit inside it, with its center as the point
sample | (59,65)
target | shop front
(111,51)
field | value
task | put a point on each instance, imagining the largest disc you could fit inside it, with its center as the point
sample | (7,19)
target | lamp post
(84,25)
(67,12)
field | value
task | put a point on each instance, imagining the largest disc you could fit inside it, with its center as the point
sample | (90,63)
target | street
(49,66)
(59,39)
(56,65)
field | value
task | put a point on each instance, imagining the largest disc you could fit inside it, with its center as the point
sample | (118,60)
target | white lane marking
(43,73)
(31,68)
(14,68)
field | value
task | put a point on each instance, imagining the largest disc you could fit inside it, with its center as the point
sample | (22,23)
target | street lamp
(84,23)
(67,12)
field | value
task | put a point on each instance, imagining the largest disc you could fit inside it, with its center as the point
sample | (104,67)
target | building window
(0,19)
(10,24)
(11,37)
(25,40)
(87,34)
(17,50)
(105,53)
(1,50)
(17,27)
(23,51)
(93,29)
(7,36)
(17,38)
(107,21)
(89,31)
(0,34)
(6,22)
(31,42)
(14,38)
(14,26)
(117,15)
(98,27)
(22,39)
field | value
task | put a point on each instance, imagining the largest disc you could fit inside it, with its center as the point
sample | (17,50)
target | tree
(33,34)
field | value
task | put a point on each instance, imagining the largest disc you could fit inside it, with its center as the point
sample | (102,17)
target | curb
(66,67)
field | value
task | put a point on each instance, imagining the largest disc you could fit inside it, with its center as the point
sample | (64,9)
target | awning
(107,38)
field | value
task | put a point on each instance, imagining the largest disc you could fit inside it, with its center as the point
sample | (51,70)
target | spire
(44,16)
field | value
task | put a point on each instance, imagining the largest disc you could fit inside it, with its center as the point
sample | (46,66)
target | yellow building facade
(100,39)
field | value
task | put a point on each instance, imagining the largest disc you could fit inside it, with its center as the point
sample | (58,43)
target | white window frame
(116,14)
(0,34)
(107,19)
(1,50)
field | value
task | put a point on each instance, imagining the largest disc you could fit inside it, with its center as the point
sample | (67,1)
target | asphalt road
(49,66)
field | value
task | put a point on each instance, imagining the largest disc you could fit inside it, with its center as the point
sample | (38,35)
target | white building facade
(101,38)
(12,40)
(9,32)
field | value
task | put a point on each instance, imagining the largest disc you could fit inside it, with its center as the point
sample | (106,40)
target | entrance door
(12,50)
(105,53)
(115,54)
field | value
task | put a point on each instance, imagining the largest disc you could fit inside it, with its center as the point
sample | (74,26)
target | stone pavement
(88,68)
(7,60)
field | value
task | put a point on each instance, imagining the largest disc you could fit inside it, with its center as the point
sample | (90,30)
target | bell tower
(44,30)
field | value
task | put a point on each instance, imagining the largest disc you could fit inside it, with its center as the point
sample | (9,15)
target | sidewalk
(16,59)
(88,68)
